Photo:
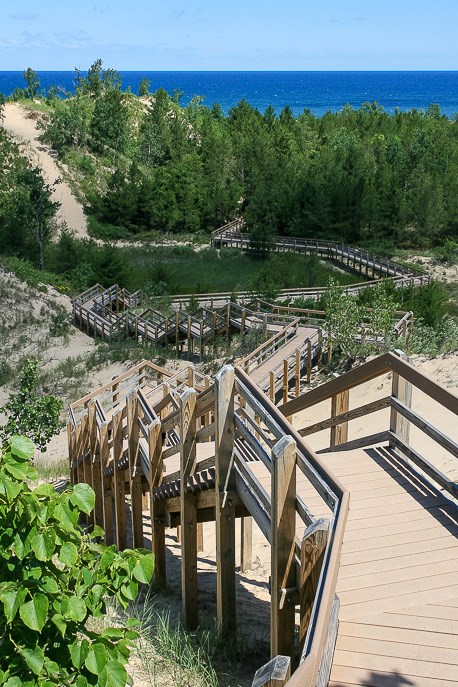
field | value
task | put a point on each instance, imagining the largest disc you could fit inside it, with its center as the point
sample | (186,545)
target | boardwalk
(398,575)
(370,520)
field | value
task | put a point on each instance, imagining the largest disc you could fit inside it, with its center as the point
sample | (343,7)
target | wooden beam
(107,486)
(313,548)
(188,509)
(246,544)
(119,483)
(283,545)
(339,405)
(157,507)
(276,673)
(402,390)
(135,471)
(224,507)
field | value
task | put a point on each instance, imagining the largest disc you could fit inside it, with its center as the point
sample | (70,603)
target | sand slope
(18,122)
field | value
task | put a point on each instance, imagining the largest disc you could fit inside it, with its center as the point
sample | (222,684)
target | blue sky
(235,35)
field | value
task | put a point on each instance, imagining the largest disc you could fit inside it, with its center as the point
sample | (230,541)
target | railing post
(246,543)
(283,544)
(402,390)
(157,506)
(119,483)
(188,509)
(313,548)
(272,386)
(297,370)
(107,486)
(309,361)
(285,380)
(339,405)
(135,471)
(224,508)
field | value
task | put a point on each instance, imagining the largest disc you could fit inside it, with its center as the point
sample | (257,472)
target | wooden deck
(398,576)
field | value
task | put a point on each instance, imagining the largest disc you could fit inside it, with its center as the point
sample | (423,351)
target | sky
(236,35)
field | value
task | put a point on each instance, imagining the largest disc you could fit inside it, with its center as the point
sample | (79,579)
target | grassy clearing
(179,269)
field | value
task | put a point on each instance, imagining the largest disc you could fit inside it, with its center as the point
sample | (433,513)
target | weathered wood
(339,405)
(313,548)
(276,673)
(224,507)
(402,390)
(188,509)
(119,484)
(157,507)
(285,380)
(135,471)
(309,361)
(361,411)
(297,373)
(283,545)
(246,544)
(425,426)
(107,486)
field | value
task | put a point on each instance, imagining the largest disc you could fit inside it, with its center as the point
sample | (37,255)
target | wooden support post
(402,390)
(309,361)
(93,473)
(135,470)
(272,386)
(313,548)
(242,326)
(285,380)
(157,506)
(107,483)
(246,544)
(224,509)
(71,450)
(119,483)
(320,349)
(200,537)
(177,331)
(283,545)
(188,509)
(339,405)
(297,373)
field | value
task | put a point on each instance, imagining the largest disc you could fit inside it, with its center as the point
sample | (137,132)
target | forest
(147,164)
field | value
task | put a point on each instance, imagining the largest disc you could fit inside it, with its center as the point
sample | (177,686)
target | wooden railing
(145,446)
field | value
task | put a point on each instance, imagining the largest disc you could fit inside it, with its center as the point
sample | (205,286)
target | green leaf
(44,490)
(143,571)
(14,682)
(130,590)
(21,471)
(49,584)
(12,601)
(79,652)
(112,633)
(81,681)
(60,623)
(96,658)
(83,497)
(66,518)
(34,659)
(117,675)
(22,447)
(34,612)
(43,545)
(68,554)
(77,609)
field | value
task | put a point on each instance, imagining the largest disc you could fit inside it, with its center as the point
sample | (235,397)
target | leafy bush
(54,578)
(38,417)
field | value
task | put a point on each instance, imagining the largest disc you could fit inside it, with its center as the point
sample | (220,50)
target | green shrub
(54,577)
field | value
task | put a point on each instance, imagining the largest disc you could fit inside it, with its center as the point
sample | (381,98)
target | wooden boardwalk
(369,519)
(398,574)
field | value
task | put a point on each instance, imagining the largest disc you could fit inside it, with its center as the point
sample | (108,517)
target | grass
(182,270)
(50,470)
(169,655)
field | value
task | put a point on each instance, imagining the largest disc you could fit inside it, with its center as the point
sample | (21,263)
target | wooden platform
(398,576)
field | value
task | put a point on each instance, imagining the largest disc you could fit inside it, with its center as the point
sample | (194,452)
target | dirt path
(23,128)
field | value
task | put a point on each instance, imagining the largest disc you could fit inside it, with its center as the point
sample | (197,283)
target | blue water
(318,91)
